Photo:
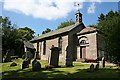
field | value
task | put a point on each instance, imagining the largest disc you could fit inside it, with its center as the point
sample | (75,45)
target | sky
(41,14)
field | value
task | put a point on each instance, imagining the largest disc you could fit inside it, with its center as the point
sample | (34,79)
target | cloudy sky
(42,14)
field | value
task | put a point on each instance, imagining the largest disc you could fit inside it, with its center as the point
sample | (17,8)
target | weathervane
(78,6)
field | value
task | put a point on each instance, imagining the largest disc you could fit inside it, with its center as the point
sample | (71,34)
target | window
(60,44)
(44,47)
(40,47)
(83,42)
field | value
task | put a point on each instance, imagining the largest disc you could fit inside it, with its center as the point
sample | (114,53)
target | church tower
(78,16)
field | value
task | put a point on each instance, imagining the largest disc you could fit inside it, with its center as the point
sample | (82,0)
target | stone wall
(54,42)
(91,46)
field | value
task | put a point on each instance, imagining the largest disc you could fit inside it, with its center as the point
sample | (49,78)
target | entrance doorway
(83,52)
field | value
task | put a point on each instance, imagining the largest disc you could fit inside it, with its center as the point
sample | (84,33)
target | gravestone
(103,62)
(92,67)
(36,66)
(13,64)
(25,64)
(97,66)
(7,56)
(54,56)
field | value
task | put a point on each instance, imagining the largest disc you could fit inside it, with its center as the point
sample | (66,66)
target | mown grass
(78,71)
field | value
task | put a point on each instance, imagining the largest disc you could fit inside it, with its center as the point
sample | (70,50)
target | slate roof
(52,33)
(28,45)
(88,30)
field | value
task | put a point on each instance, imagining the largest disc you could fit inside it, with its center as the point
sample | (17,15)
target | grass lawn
(78,71)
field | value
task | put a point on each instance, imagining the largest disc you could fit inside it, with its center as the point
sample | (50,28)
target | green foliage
(65,24)
(26,33)
(8,34)
(12,38)
(46,31)
(109,26)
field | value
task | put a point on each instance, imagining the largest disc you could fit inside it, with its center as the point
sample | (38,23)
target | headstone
(25,64)
(103,62)
(97,66)
(36,66)
(54,56)
(13,64)
(92,67)
(7,56)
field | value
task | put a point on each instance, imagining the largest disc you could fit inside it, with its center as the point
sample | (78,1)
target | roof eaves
(56,32)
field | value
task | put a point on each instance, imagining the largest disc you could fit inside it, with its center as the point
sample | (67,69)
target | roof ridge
(58,31)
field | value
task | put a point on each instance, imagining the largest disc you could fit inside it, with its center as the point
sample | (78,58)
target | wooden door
(83,52)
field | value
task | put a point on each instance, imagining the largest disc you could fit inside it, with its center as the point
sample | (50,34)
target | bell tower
(78,16)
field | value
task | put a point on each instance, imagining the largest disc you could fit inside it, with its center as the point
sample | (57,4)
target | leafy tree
(101,18)
(26,33)
(12,38)
(46,31)
(109,26)
(65,24)
(9,34)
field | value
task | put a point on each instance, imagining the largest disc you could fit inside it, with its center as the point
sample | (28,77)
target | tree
(9,34)
(26,33)
(101,18)
(12,38)
(109,26)
(46,31)
(65,24)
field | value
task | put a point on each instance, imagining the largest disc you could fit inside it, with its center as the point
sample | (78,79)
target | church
(77,42)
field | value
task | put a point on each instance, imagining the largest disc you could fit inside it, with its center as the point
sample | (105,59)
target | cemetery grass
(78,71)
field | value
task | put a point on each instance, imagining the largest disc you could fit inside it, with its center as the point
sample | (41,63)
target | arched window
(60,44)
(83,42)
(44,47)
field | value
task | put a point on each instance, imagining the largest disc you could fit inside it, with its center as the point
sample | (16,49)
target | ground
(78,71)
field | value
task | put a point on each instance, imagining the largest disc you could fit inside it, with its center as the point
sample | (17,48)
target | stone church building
(77,42)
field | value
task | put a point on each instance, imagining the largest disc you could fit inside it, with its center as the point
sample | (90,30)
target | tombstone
(7,56)
(97,66)
(103,62)
(54,56)
(36,66)
(13,64)
(92,67)
(25,64)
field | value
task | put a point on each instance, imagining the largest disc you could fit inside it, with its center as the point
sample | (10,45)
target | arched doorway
(82,48)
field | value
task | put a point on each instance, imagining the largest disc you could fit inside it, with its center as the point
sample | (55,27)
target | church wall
(54,42)
(91,47)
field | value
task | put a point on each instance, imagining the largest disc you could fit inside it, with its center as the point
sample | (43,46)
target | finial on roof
(78,7)
(78,16)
